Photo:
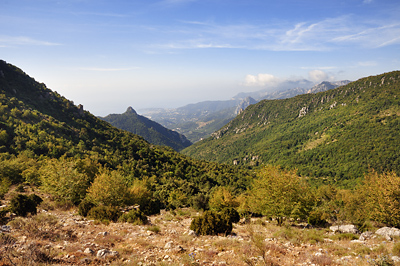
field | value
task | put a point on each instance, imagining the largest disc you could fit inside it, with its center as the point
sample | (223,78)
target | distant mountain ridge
(151,131)
(200,120)
(339,133)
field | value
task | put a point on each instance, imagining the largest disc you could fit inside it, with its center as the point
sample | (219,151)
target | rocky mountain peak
(130,110)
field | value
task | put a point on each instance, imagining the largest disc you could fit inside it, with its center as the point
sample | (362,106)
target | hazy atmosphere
(108,55)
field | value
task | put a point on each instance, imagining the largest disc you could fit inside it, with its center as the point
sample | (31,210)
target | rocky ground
(64,238)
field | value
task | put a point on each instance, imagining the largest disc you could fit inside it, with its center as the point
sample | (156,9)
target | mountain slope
(38,123)
(148,129)
(339,133)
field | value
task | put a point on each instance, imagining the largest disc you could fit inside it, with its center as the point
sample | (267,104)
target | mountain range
(200,120)
(339,133)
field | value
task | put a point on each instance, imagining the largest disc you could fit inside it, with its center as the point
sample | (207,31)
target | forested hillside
(148,129)
(42,135)
(340,133)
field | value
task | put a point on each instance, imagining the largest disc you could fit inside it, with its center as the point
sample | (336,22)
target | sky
(108,55)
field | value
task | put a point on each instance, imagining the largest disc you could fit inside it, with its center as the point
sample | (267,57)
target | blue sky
(108,55)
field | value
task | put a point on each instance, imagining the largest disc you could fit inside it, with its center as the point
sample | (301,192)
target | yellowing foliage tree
(109,188)
(382,192)
(222,198)
(280,194)
(62,179)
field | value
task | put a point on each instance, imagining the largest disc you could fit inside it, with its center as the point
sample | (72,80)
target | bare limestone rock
(347,228)
(388,232)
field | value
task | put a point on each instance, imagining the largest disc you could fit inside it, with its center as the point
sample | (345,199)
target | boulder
(347,228)
(388,232)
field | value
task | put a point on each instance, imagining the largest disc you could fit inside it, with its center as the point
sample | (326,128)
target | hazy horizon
(169,53)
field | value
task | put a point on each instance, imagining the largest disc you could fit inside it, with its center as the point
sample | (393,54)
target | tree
(62,179)
(382,194)
(222,198)
(109,188)
(280,194)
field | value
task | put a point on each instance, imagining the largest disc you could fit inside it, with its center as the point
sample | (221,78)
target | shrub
(35,198)
(3,212)
(151,207)
(104,213)
(20,188)
(21,204)
(316,218)
(5,184)
(200,202)
(134,216)
(211,223)
(84,207)
(154,228)
(230,214)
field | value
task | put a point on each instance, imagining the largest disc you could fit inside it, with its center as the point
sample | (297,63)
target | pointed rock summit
(130,110)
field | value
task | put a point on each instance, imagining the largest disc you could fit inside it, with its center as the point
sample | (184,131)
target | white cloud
(261,80)
(22,40)
(323,35)
(318,75)
(372,37)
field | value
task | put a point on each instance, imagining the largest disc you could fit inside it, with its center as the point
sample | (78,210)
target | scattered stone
(168,245)
(102,253)
(395,259)
(179,249)
(103,233)
(191,233)
(366,235)
(347,228)
(88,251)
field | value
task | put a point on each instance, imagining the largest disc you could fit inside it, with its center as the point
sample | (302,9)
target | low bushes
(136,217)
(22,204)
(214,223)
(104,213)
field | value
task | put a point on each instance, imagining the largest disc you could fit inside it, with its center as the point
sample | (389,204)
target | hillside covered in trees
(339,134)
(48,141)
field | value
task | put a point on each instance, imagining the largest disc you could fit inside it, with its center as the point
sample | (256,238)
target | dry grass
(60,237)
